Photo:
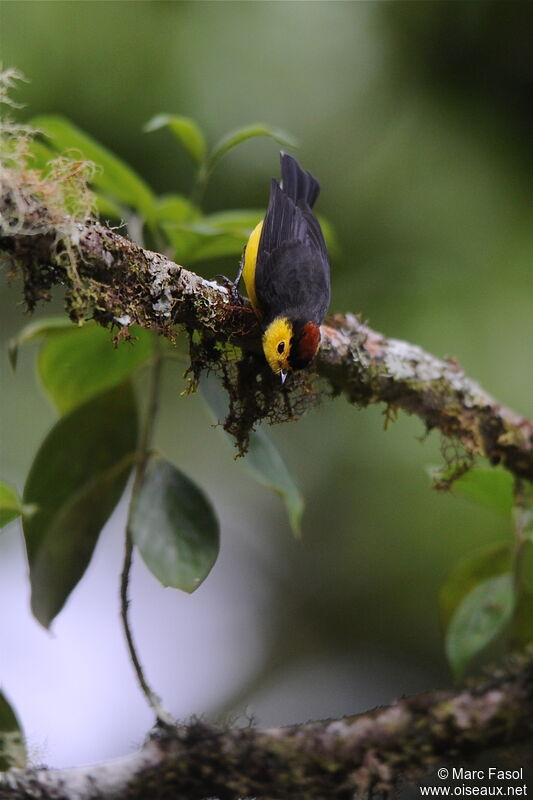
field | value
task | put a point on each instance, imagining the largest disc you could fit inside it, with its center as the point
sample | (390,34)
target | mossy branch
(115,281)
(361,756)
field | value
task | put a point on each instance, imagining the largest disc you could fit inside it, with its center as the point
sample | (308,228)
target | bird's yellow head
(290,345)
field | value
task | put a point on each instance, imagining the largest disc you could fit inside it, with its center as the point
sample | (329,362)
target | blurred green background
(416,117)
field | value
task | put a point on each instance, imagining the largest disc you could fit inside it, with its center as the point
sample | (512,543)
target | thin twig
(143,453)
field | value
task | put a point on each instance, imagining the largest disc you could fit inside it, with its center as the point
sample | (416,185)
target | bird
(286,271)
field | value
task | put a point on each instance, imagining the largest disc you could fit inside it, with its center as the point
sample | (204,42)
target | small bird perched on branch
(286,271)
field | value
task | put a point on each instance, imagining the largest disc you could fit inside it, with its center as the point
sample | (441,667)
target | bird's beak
(283,375)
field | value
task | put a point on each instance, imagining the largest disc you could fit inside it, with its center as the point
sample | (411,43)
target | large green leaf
(36,330)
(489,486)
(71,537)
(215,245)
(263,461)
(116,178)
(185,129)
(10,504)
(219,246)
(12,747)
(183,241)
(468,573)
(235,137)
(240,221)
(196,242)
(75,481)
(175,208)
(174,526)
(482,615)
(76,364)
(197,238)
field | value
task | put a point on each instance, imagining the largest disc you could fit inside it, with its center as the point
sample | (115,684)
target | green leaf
(75,481)
(174,526)
(468,573)
(71,537)
(240,221)
(490,486)
(182,240)
(35,330)
(12,746)
(117,178)
(212,236)
(266,465)
(173,213)
(215,245)
(262,461)
(76,364)
(192,244)
(482,615)
(10,504)
(175,208)
(234,138)
(185,129)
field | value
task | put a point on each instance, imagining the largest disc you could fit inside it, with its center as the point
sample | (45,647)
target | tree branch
(337,759)
(107,276)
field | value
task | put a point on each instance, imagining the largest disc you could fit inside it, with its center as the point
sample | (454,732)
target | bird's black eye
(281,347)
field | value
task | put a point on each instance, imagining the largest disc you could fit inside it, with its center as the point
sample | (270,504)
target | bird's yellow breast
(250,263)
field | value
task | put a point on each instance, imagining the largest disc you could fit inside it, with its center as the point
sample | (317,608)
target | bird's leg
(233,286)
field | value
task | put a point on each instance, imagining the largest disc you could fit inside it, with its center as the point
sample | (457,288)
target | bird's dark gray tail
(298,184)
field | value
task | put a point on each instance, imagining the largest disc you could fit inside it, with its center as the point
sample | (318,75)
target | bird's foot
(232,287)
